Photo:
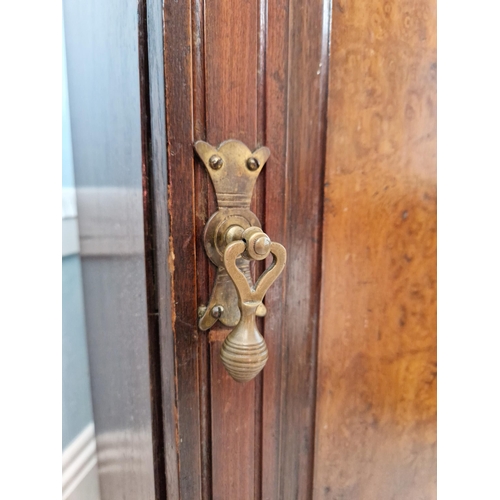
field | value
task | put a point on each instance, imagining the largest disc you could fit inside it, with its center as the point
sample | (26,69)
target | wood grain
(231,63)
(376,400)
(205,206)
(178,61)
(155,245)
(258,74)
(306,134)
(157,272)
(275,174)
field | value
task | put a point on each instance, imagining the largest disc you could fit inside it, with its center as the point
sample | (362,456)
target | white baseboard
(78,459)
(113,222)
(70,240)
(69,210)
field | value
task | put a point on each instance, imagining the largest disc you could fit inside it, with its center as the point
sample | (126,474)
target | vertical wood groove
(254,77)
(260,203)
(276,199)
(306,140)
(231,48)
(261,73)
(178,40)
(149,258)
(201,195)
(323,119)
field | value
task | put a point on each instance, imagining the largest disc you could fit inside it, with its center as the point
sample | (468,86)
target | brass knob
(244,351)
(258,244)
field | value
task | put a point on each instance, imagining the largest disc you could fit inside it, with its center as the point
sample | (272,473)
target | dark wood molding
(152,249)
(258,73)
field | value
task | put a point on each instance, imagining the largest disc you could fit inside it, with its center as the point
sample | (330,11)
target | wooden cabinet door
(343,94)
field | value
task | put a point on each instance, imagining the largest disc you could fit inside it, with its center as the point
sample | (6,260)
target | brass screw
(217,311)
(253,163)
(215,162)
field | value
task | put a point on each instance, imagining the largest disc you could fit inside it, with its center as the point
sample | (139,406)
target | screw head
(253,163)
(217,311)
(216,162)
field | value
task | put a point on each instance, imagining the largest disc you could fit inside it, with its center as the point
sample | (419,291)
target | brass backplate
(233,169)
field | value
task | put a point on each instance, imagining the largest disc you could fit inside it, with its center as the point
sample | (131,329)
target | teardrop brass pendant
(244,351)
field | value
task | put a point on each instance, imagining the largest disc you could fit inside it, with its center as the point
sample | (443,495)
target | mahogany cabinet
(343,93)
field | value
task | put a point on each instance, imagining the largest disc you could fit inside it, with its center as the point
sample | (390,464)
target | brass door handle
(232,238)
(244,351)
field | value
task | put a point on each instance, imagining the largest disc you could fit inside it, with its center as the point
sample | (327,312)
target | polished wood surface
(308,35)
(352,168)
(376,400)
(182,252)
(343,93)
(231,68)
(256,72)
(157,230)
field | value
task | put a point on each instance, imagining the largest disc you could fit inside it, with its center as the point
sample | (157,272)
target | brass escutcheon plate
(214,236)
(233,169)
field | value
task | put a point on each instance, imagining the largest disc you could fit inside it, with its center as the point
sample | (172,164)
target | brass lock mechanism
(233,237)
